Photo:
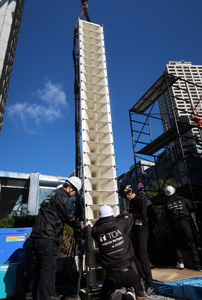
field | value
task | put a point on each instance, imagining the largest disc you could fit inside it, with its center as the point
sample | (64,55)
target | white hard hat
(105,211)
(75,182)
(169,190)
(59,186)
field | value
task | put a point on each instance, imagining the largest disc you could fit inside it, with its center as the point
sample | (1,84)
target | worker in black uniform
(152,219)
(151,215)
(138,207)
(55,210)
(177,210)
(84,10)
(116,254)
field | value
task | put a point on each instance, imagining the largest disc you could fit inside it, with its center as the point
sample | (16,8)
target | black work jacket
(152,219)
(138,207)
(112,236)
(177,208)
(55,210)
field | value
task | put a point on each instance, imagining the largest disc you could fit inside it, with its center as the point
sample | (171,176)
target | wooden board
(169,275)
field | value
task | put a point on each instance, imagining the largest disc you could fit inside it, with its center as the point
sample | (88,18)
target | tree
(157,187)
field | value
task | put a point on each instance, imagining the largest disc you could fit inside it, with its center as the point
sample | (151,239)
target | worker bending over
(84,10)
(46,235)
(116,254)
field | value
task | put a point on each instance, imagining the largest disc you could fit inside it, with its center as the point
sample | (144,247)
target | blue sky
(140,38)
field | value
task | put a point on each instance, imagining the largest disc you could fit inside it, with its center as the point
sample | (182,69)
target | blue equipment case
(12,259)
(13,244)
(8,274)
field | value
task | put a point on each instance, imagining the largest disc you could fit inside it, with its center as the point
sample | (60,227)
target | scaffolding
(175,149)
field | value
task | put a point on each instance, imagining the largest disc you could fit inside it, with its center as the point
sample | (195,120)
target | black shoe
(117,295)
(56,297)
(141,294)
(198,269)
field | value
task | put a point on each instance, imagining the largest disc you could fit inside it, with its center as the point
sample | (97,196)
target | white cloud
(49,107)
(53,95)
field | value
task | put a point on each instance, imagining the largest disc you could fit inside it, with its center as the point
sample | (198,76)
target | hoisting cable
(79,235)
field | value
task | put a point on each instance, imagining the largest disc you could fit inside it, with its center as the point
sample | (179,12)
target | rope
(154,297)
(159,297)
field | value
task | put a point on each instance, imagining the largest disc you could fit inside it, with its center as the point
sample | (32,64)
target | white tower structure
(96,139)
(10,18)
(185,95)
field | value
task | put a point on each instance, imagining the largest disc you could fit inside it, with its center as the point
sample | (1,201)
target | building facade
(142,172)
(184,98)
(22,193)
(10,19)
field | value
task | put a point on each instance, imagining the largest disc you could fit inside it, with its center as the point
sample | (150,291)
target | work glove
(82,225)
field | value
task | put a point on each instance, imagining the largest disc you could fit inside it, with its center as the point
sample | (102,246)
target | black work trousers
(181,230)
(43,285)
(140,241)
(84,11)
(117,279)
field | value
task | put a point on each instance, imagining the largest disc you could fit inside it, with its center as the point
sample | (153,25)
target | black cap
(125,190)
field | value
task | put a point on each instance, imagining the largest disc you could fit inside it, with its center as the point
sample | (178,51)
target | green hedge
(28,221)
(17,221)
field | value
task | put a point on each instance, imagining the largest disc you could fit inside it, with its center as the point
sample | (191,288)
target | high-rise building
(179,95)
(184,98)
(182,104)
(10,19)
(139,172)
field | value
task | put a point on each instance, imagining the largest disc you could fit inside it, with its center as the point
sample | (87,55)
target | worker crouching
(116,254)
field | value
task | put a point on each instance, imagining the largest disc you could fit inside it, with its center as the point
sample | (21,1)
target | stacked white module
(98,161)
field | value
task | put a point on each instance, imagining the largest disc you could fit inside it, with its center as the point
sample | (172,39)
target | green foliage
(152,189)
(7,222)
(68,242)
(17,221)
(25,221)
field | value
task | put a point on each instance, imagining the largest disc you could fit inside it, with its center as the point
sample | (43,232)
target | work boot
(198,269)
(116,295)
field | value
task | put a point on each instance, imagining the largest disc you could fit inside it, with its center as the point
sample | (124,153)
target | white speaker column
(97,148)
